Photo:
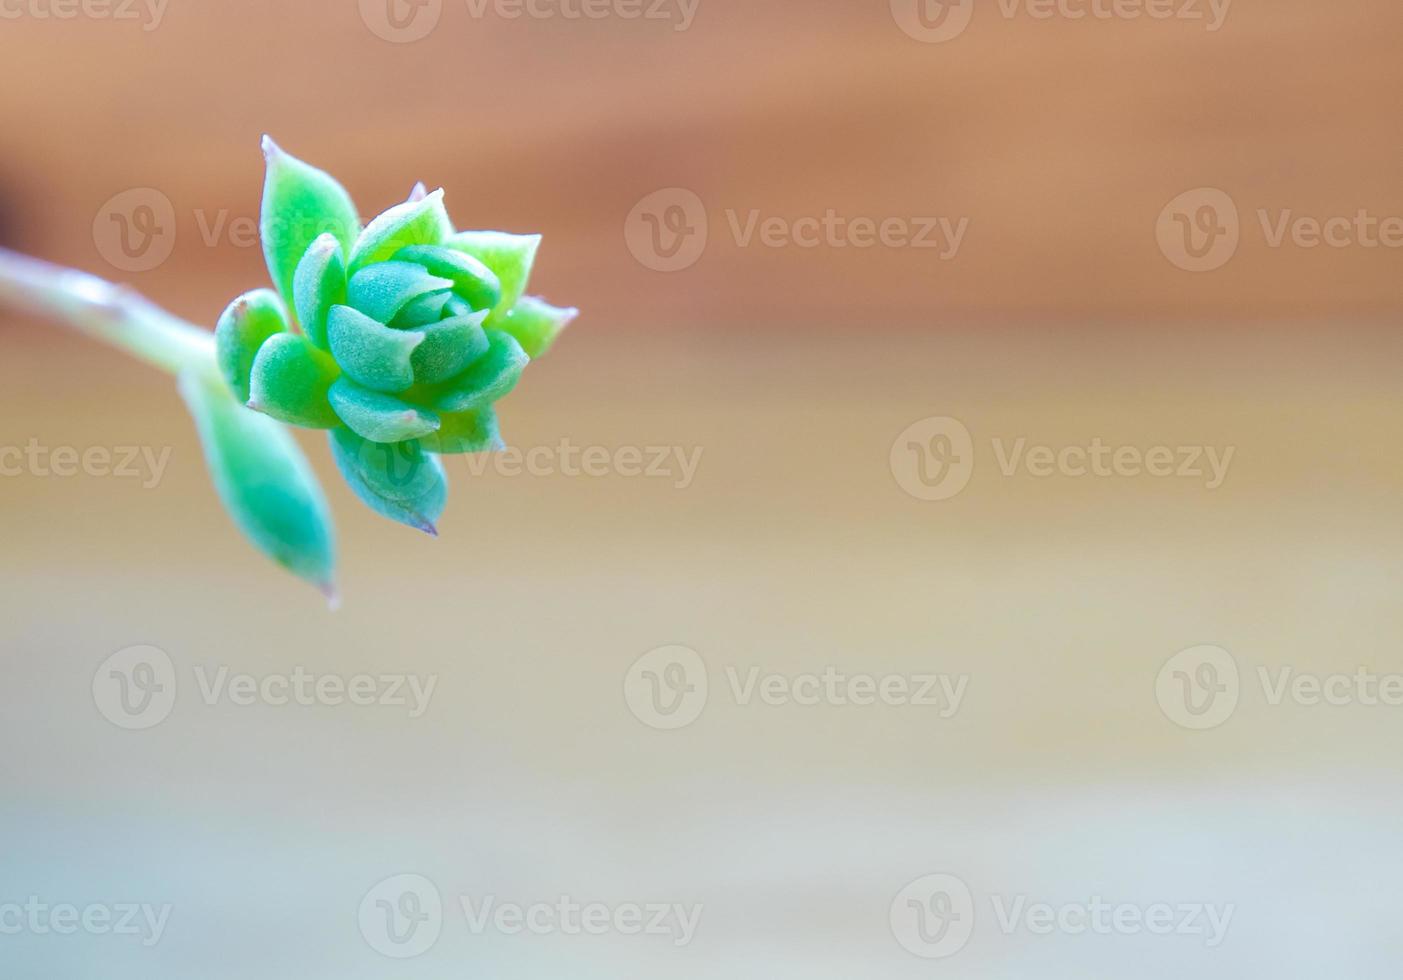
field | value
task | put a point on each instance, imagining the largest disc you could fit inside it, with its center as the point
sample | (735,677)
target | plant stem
(115,314)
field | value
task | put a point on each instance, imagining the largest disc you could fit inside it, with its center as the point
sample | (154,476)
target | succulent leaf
(290,382)
(422,222)
(263,480)
(427,309)
(478,285)
(490,378)
(242,329)
(318,285)
(300,204)
(398,480)
(372,354)
(449,347)
(379,417)
(510,257)
(535,324)
(465,432)
(381,290)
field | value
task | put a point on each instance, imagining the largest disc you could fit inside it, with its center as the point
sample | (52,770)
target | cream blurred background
(1069,771)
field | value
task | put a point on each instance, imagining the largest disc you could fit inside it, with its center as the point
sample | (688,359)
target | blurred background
(1031,365)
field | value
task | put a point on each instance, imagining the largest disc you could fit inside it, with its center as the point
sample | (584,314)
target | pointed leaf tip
(262,478)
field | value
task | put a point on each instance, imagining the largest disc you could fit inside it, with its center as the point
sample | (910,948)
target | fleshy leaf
(466,432)
(290,382)
(473,281)
(423,222)
(371,353)
(318,285)
(490,377)
(300,204)
(381,290)
(510,257)
(242,329)
(449,347)
(535,324)
(398,480)
(263,480)
(379,417)
(423,311)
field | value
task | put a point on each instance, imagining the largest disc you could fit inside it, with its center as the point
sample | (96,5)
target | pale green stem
(117,315)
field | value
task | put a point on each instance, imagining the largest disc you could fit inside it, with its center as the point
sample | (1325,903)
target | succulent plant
(397,337)
(403,334)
